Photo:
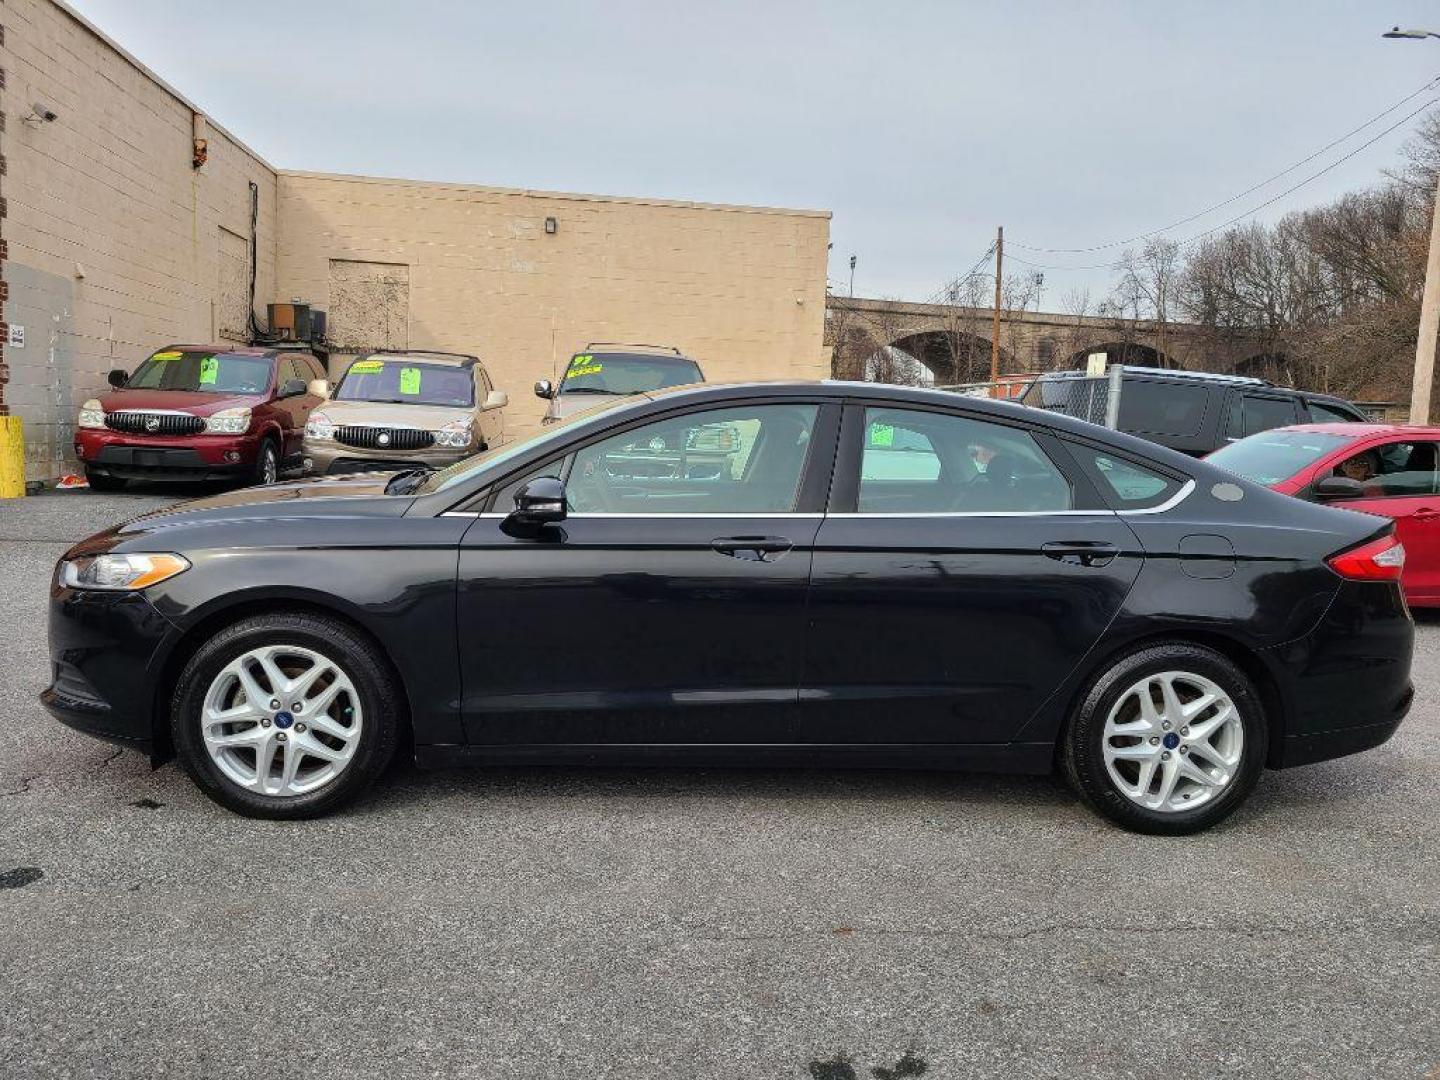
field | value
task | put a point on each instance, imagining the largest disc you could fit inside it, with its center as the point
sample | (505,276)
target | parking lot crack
(23,789)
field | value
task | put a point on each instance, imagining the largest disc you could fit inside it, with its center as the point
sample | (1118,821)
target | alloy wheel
(269,467)
(281,720)
(1173,741)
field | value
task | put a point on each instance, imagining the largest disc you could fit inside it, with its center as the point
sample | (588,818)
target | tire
(103,482)
(1108,743)
(267,464)
(334,760)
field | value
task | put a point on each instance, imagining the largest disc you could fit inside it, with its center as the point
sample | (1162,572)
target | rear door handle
(1081,552)
(752,548)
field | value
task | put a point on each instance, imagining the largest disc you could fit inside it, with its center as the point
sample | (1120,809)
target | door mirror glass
(540,502)
(1339,487)
(319,387)
(292,388)
(117,378)
(496,399)
(544,389)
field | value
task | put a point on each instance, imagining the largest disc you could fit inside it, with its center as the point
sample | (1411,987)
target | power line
(1248,191)
(1256,209)
(940,293)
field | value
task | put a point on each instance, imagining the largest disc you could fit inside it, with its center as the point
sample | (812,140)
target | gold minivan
(399,409)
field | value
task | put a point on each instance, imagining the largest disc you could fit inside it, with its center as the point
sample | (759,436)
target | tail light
(1374,560)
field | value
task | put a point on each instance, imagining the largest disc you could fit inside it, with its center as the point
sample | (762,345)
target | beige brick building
(117,243)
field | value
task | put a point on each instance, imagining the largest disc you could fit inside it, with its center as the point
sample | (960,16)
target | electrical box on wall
(295,321)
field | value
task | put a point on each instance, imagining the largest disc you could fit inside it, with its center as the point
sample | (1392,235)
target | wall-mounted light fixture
(200,144)
(551,226)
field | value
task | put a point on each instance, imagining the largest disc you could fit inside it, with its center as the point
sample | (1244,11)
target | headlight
(121,572)
(228,422)
(92,415)
(455,433)
(319,426)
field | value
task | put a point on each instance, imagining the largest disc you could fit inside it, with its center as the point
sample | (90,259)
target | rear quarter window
(1126,484)
(1158,407)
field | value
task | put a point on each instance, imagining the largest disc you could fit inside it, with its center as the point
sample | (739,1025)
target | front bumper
(333,458)
(139,457)
(103,653)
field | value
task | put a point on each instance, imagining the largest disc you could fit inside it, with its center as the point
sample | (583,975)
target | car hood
(384,414)
(194,402)
(333,496)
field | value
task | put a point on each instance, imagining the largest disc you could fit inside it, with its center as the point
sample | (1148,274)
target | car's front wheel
(1170,739)
(286,715)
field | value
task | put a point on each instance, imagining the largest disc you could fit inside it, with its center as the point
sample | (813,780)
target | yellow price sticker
(368,367)
(167,356)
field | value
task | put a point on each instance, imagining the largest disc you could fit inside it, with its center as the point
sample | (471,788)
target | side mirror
(544,389)
(496,399)
(540,502)
(293,388)
(319,387)
(117,378)
(1339,487)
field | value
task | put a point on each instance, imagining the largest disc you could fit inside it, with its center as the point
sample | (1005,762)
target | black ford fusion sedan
(813,574)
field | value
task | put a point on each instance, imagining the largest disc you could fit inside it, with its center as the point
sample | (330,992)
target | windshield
(463,470)
(1273,456)
(402,381)
(207,372)
(626,373)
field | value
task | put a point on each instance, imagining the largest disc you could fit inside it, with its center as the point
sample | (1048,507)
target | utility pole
(995,331)
(852,275)
(1429,325)
(1430,299)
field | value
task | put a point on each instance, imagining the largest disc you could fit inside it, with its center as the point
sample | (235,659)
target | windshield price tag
(209,370)
(584,364)
(167,356)
(367,367)
(409,380)
(882,435)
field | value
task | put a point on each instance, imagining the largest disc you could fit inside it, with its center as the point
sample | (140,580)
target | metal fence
(1096,399)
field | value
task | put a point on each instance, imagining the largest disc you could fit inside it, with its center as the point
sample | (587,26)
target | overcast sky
(922,126)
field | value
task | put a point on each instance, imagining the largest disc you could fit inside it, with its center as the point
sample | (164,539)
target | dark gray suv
(605,369)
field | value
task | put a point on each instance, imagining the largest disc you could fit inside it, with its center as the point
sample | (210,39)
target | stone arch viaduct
(952,342)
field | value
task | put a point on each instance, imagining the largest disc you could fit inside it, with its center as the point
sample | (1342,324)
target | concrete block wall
(741,289)
(114,240)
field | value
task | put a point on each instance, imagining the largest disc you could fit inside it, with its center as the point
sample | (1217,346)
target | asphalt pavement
(586,923)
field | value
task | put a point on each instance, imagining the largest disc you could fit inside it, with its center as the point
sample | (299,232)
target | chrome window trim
(1169,504)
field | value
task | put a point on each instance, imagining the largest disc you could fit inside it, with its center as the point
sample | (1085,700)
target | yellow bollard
(12,458)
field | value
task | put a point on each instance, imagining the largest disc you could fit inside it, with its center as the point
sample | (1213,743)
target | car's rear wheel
(99,481)
(1170,739)
(286,715)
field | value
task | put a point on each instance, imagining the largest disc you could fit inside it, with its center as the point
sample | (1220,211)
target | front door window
(742,460)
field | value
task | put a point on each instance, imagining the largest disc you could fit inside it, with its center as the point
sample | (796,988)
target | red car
(1389,470)
(200,412)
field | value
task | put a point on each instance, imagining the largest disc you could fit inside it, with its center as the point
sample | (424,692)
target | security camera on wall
(40,113)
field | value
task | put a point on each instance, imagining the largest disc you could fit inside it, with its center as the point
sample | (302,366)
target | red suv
(199,412)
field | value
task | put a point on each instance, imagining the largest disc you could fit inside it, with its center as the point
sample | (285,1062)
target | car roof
(453,359)
(1362,431)
(232,349)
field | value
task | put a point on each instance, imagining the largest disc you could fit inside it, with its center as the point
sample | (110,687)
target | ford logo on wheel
(152,424)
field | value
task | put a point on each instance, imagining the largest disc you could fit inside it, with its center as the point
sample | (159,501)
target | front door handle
(1081,552)
(752,548)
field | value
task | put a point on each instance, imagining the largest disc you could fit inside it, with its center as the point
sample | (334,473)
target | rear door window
(916,462)
(1161,407)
